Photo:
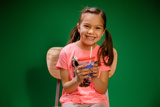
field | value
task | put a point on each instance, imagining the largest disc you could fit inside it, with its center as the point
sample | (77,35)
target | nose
(91,31)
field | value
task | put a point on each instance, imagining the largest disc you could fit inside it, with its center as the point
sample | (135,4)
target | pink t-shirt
(82,95)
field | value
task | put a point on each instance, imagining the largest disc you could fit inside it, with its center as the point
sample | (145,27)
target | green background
(29,28)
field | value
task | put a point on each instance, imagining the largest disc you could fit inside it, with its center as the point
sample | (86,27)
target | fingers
(81,77)
(95,70)
(80,66)
(95,65)
(82,73)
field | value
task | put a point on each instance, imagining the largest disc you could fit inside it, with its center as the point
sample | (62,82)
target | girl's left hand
(95,70)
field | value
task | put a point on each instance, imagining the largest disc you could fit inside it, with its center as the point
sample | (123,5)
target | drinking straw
(90,59)
(91,52)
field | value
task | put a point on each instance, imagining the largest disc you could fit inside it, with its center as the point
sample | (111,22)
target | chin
(88,44)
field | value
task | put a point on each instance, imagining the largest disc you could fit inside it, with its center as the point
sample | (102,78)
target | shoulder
(114,53)
(68,48)
(71,45)
(96,47)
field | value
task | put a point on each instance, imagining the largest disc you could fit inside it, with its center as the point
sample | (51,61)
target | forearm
(71,86)
(100,86)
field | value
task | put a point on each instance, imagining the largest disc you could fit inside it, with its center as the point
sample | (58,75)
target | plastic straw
(91,52)
(90,60)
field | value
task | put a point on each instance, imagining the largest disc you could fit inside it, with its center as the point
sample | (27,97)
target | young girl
(80,90)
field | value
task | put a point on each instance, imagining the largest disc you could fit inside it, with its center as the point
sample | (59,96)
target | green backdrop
(29,28)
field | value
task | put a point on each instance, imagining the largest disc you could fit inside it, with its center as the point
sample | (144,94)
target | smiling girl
(89,30)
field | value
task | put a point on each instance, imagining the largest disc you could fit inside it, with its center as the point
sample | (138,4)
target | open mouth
(90,37)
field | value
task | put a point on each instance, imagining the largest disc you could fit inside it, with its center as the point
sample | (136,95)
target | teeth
(90,37)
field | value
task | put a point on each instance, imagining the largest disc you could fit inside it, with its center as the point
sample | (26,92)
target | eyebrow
(96,25)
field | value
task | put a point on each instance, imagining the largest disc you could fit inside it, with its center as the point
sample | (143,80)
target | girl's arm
(101,83)
(68,86)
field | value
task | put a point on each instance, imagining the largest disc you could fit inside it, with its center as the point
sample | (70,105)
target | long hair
(106,49)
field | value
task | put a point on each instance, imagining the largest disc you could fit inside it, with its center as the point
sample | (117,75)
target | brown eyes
(89,26)
(98,28)
(86,26)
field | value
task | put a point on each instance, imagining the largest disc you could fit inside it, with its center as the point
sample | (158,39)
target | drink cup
(88,62)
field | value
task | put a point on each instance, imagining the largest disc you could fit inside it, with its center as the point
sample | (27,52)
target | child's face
(91,28)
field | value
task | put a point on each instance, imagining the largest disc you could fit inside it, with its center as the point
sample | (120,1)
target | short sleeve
(62,61)
(103,67)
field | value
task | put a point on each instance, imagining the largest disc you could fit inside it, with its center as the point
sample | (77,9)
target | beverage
(89,64)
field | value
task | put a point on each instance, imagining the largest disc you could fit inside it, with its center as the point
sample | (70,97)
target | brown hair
(106,48)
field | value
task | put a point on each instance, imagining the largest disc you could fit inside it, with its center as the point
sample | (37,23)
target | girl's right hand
(82,73)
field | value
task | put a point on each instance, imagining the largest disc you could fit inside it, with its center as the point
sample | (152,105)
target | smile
(90,37)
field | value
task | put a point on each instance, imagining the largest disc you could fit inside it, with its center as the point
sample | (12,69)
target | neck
(85,47)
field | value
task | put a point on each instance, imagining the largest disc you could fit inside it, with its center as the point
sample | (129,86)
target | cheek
(100,34)
(83,31)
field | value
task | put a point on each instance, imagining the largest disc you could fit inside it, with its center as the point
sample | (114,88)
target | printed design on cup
(75,65)
(89,64)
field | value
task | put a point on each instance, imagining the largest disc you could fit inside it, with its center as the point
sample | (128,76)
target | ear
(78,26)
